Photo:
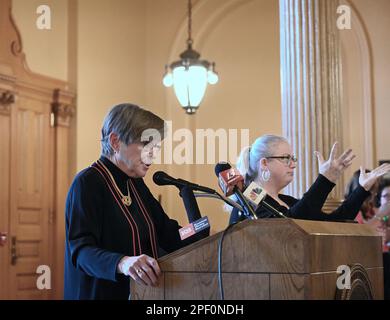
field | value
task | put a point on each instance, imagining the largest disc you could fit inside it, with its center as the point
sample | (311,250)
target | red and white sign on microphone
(229,179)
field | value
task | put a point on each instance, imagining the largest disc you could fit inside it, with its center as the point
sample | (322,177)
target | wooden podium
(273,259)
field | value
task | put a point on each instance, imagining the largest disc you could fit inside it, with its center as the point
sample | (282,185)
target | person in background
(383,195)
(383,202)
(367,210)
(270,163)
(375,210)
(383,212)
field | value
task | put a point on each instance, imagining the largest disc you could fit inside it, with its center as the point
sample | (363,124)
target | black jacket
(310,206)
(98,234)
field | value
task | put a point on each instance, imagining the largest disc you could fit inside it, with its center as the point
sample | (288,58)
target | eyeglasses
(386,196)
(150,145)
(287,160)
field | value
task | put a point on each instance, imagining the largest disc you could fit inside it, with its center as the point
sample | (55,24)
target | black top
(310,206)
(99,234)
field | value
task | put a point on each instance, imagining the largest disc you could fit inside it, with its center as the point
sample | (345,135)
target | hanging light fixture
(189,76)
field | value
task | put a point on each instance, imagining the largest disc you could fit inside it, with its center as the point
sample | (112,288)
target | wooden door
(34,169)
(30,197)
(4,192)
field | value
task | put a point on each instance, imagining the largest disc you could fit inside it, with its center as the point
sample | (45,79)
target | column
(310,85)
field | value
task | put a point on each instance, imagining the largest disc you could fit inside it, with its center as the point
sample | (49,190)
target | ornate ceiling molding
(63,108)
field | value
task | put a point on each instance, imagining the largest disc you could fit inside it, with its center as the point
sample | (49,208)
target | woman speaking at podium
(115,228)
(270,163)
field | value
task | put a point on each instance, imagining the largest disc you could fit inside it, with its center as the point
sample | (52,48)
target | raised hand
(143,269)
(334,167)
(368,179)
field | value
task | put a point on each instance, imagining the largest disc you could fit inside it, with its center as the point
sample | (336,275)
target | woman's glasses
(287,160)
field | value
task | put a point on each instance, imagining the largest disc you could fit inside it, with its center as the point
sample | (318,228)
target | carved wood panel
(34,169)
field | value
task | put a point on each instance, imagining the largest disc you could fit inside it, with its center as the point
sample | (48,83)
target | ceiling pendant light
(190,76)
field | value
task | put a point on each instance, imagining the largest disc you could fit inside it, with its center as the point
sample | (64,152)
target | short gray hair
(129,122)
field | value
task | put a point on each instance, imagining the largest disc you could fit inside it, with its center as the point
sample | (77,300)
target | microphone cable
(220,246)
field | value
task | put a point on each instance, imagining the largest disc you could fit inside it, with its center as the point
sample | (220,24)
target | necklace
(126,200)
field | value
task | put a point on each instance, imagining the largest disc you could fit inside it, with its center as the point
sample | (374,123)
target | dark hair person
(383,213)
(367,209)
(115,228)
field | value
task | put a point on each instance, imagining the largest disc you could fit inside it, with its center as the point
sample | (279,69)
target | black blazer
(98,234)
(310,206)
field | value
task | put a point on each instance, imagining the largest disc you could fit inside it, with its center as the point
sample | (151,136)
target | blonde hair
(249,159)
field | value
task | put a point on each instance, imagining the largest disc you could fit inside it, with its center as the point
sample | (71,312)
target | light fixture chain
(189,41)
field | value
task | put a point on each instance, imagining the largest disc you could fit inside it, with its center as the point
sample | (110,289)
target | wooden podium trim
(270,259)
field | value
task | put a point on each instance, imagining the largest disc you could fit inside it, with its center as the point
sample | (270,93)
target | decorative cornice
(16,45)
(7,78)
(6,99)
(63,108)
(63,114)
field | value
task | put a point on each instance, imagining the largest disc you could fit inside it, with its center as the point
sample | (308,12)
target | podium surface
(272,259)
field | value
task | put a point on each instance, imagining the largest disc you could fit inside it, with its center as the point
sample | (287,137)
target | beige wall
(355,66)
(115,51)
(242,37)
(366,79)
(376,17)
(46,50)
(111,66)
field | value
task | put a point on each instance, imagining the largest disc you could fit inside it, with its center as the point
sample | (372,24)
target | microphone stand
(218,196)
(192,208)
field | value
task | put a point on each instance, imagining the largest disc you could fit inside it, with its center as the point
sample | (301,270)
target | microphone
(230,181)
(162,179)
(197,225)
(256,194)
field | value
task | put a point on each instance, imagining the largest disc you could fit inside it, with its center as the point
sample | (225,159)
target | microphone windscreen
(221,166)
